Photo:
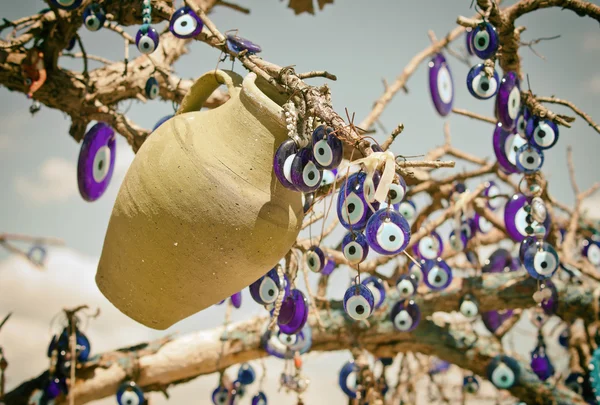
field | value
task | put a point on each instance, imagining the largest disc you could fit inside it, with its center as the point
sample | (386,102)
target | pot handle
(205,85)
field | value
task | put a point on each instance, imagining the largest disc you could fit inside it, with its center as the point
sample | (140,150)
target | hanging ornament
(96,161)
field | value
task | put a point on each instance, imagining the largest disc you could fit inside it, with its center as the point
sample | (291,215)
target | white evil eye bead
(287,340)
(529,159)
(152,88)
(441,86)
(185,23)
(508,100)
(482,224)
(470,384)
(387,232)
(348,378)
(484,40)
(358,302)
(458,240)
(266,289)
(522,120)
(315,259)
(352,208)
(375,285)
(129,393)
(407,286)
(540,260)
(591,250)
(147,39)
(516,216)
(259,399)
(67,4)
(282,163)
(415,271)
(355,247)
(408,209)
(491,192)
(468,306)
(327,178)
(397,192)
(405,316)
(543,133)
(94,17)
(503,371)
(479,85)
(305,174)
(221,396)
(429,247)
(438,275)
(327,149)
(511,148)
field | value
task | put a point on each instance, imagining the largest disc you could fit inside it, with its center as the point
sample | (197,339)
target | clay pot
(200,214)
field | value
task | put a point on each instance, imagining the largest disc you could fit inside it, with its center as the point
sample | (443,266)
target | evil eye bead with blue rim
(152,88)
(469,40)
(387,232)
(574,382)
(348,379)
(377,288)
(396,193)
(415,271)
(94,17)
(185,23)
(429,247)
(359,302)
(147,39)
(221,396)
(468,306)
(283,345)
(470,384)
(517,217)
(543,133)
(326,147)
(408,209)
(479,85)
(355,247)
(236,299)
(67,4)
(96,161)
(266,289)
(406,286)
(458,239)
(246,374)
(484,40)
(315,259)
(438,275)
(482,224)
(405,315)
(540,260)
(129,393)
(508,100)
(506,146)
(491,192)
(591,251)
(441,85)
(540,363)
(529,159)
(259,399)
(503,371)
(352,209)
(282,163)
(522,120)
(238,390)
(328,177)
(305,174)
(37,255)
(238,44)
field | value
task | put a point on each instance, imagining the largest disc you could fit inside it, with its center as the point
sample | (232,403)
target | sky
(360,42)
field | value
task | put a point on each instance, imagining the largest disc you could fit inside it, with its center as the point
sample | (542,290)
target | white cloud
(55,181)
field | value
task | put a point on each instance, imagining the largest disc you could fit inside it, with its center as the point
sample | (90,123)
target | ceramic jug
(200,214)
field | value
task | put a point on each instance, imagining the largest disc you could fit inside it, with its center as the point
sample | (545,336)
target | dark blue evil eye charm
(94,17)
(387,232)
(266,289)
(185,23)
(152,88)
(503,371)
(469,41)
(129,393)
(282,163)
(491,192)
(293,313)
(259,399)
(468,306)
(508,100)
(355,247)
(542,133)
(405,316)
(352,208)
(238,390)
(437,274)
(37,255)
(515,218)
(470,384)
(479,85)
(506,146)
(429,247)
(327,149)
(458,239)
(147,39)
(408,209)
(305,174)
(541,364)
(284,346)
(358,302)
(529,159)
(161,121)
(406,286)
(246,374)
(375,285)
(591,251)
(315,259)
(238,44)
(348,379)
(441,86)
(540,260)
(482,224)
(67,4)
(522,120)
(221,396)
(395,194)
(574,382)
(484,40)
(83,348)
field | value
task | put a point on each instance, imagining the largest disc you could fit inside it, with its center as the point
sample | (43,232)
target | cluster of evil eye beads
(231,394)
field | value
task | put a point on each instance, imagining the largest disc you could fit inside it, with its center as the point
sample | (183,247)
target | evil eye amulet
(96,161)
(591,250)
(506,144)
(429,247)
(540,260)
(221,396)
(387,232)
(185,23)
(405,316)
(147,39)
(348,379)
(284,346)
(259,399)
(470,384)
(375,285)
(529,159)
(406,286)
(315,259)
(67,4)
(293,313)
(37,255)
(327,149)
(542,133)
(469,41)
(438,275)
(441,85)
(266,289)
(152,88)
(522,120)
(491,192)
(94,17)
(503,371)
(246,374)
(515,218)
(408,209)
(479,85)
(129,393)
(358,302)
(305,174)
(484,40)
(468,306)
(541,364)
(355,247)
(282,163)
(508,100)
(458,239)
(236,299)
(493,320)
(352,208)
(238,44)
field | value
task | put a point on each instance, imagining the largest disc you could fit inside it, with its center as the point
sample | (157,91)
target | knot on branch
(538,109)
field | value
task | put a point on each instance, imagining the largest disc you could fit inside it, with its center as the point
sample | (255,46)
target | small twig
(84,56)
(90,57)
(233,6)
(317,73)
(572,106)
(530,44)
(388,142)
(425,163)
(474,115)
